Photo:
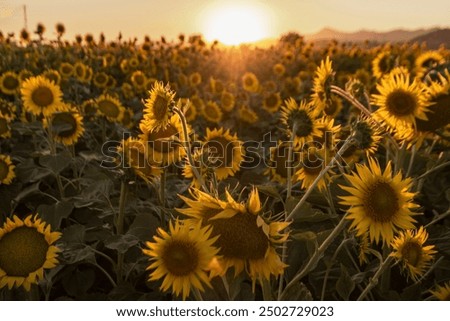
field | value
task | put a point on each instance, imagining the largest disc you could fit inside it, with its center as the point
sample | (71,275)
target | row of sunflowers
(186,170)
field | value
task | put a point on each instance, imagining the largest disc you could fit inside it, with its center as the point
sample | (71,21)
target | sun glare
(233,24)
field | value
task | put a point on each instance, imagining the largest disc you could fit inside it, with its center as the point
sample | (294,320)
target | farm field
(151,169)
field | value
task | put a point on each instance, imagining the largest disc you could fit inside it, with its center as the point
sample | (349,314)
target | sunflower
(248,115)
(311,164)
(409,250)
(279,69)
(110,107)
(427,60)
(367,136)
(383,63)
(442,292)
(100,79)
(181,257)
(278,162)
(191,111)
(164,146)
(40,96)
(325,143)
(6,170)
(5,128)
(9,83)
(247,241)
(216,85)
(323,79)
(211,112)
(225,150)
(138,79)
(334,107)
(195,79)
(79,71)
(127,119)
(134,154)
(299,118)
(52,75)
(25,251)
(250,82)
(380,202)
(8,109)
(272,102)
(227,101)
(400,101)
(157,110)
(66,125)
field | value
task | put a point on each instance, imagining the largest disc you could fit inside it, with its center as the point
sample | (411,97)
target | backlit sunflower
(400,101)
(79,71)
(299,118)
(9,83)
(426,61)
(216,85)
(250,82)
(191,111)
(311,164)
(8,109)
(383,63)
(225,150)
(272,102)
(109,107)
(227,101)
(247,115)
(380,203)
(181,257)
(134,154)
(195,79)
(138,79)
(25,251)
(442,292)
(100,79)
(279,69)
(409,250)
(164,145)
(157,110)
(66,70)
(212,112)
(323,79)
(278,162)
(6,170)
(40,96)
(52,75)
(247,241)
(66,125)
(367,136)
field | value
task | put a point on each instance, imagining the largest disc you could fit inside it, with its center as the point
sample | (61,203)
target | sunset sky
(224,19)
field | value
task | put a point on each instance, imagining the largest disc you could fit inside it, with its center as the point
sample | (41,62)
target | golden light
(235,23)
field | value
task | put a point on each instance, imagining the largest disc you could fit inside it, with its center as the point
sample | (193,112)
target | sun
(235,23)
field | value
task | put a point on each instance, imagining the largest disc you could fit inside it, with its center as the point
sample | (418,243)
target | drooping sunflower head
(442,292)
(226,152)
(66,125)
(181,257)
(9,83)
(6,170)
(250,82)
(300,121)
(211,112)
(426,61)
(40,96)
(400,101)
(26,249)
(380,202)
(109,107)
(158,106)
(408,248)
(272,102)
(323,79)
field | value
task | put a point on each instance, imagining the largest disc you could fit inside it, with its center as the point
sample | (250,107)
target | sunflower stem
(53,153)
(311,264)
(411,160)
(386,275)
(162,188)
(374,280)
(119,226)
(187,147)
(289,165)
(339,154)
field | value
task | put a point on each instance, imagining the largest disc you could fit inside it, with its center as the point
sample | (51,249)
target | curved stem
(374,280)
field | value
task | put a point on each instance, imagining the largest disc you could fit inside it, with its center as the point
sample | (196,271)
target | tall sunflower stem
(187,147)
(52,142)
(312,263)
(289,165)
(411,160)
(120,226)
(348,142)
(162,188)
(386,275)
(374,280)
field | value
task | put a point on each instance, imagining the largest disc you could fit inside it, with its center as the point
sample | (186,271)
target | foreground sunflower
(40,96)
(442,292)
(66,125)
(380,203)
(409,250)
(181,257)
(400,101)
(323,79)
(246,240)
(6,170)
(25,251)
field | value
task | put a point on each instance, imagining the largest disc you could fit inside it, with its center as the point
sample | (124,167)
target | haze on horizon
(136,18)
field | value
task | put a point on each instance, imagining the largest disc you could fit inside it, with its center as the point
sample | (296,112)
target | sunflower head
(442,292)
(380,203)
(25,251)
(66,125)
(408,248)
(227,100)
(383,63)
(158,106)
(109,107)
(211,112)
(247,115)
(323,79)
(9,83)
(6,170)
(250,82)
(426,61)
(5,128)
(40,96)
(272,102)
(181,257)
(367,136)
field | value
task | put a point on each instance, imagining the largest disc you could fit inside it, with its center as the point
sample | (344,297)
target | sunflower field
(186,170)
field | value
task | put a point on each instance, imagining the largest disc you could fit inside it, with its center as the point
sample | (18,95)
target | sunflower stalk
(289,166)
(312,263)
(52,143)
(187,147)
(162,188)
(120,226)
(374,280)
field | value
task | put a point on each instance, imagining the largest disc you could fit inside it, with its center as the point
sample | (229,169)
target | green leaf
(78,282)
(29,172)
(269,190)
(144,226)
(55,163)
(121,243)
(53,214)
(345,284)
(306,213)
